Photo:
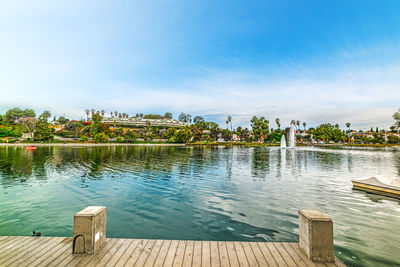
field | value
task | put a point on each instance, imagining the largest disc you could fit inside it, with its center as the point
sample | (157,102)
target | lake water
(203,193)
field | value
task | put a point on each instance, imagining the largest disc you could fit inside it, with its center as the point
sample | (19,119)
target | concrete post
(89,233)
(316,236)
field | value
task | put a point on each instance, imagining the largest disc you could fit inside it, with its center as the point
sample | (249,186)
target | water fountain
(292,136)
(283,141)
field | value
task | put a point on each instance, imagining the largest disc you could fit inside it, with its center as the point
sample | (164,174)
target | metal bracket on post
(90,225)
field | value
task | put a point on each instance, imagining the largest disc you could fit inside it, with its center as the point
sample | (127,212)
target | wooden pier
(57,251)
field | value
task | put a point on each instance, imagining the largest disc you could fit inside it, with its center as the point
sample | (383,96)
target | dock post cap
(89,233)
(314,215)
(91,210)
(316,236)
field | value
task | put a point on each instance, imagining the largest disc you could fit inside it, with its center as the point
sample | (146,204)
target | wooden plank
(162,254)
(258,254)
(180,251)
(288,259)
(13,244)
(296,258)
(223,254)
(111,252)
(54,242)
(136,253)
(11,254)
(241,254)
(215,261)
(233,259)
(154,253)
(267,254)
(117,255)
(53,253)
(197,249)
(128,252)
(205,254)
(169,259)
(307,261)
(274,252)
(188,258)
(98,256)
(28,251)
(145,253)
(251,258)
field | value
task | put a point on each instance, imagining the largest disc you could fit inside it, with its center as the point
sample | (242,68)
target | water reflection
(218,193)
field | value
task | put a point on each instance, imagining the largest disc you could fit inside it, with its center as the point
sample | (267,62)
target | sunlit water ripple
(221,193)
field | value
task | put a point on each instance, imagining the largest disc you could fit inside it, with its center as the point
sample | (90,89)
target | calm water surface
(248,194)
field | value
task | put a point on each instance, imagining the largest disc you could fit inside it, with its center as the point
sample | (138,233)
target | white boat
(381,185)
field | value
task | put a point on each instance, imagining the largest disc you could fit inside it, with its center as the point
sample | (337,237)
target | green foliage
(10,131)
(181,136)
(131,136)
(274,137)
(328,132)
(62,120)
(43,132)
(84,138)
(45,115)
(168,115)
(392,139)
(153,116)
(16,113)
(119,139)
(100,138)
(260,127)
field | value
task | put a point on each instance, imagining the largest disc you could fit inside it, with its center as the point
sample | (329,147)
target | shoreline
(337,146)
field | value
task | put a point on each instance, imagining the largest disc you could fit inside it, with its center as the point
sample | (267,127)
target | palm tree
(227,123)
(278,123)
(93,111)
(87,114)
(304,125)
(348,125)
(116,113)
(230,121)
(298,124)
(119,115)
(293,122)
(102,112)
(111,113)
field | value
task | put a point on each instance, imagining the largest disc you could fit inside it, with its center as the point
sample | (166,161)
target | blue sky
(313,61)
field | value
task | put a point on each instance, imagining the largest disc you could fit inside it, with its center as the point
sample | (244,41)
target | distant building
(143,122)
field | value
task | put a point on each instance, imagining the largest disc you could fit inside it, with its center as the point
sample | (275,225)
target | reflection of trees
(396,160)
(15,163)
(328,159)
(260,162)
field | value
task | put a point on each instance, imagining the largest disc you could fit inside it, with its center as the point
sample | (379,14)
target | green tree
(14,114)
(198,119)
(328,132)
(43,132)
(230,121)
(45,115)
(168,115)
(348,124)
(87,114)
(304,125)
(396,117)
(181,136)
(260,127)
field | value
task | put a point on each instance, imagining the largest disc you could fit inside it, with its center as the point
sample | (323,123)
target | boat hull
(372,185)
